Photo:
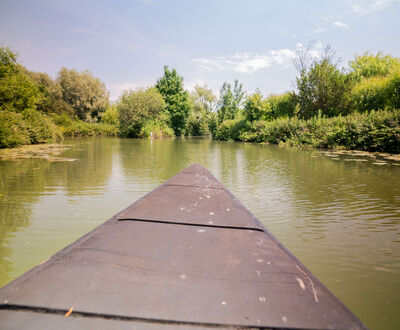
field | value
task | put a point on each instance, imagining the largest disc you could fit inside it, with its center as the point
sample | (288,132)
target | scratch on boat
(301,283)
(311,282)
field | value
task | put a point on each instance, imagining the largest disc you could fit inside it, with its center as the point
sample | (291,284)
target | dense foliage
(17,91)
(323,87)
(34,108)
(140,110)
(201,118)
(230,101)
(85,93)
(330,107)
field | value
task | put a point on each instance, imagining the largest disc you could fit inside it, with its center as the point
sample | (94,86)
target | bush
(111,116)
(257,108)
(373,131)
(13,130)
(156,129)
(137,107)
(378,92)
(41,129)
(197,124)
(28,127)
(283,105)
(231,129)
(75,127)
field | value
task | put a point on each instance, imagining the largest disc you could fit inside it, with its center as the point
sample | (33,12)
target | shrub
(135,108)
(373,131)
(40,128)
(156,129)
(378,92)
(231,129)
(13,131)
(197,124)
(111,116)
(257,108)
(75,127)
(283,105)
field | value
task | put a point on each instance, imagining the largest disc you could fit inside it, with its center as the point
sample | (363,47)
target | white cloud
(249,63)
(361,10)
(245,62)
(341,25)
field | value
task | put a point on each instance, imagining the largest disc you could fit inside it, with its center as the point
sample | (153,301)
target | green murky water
(340,216)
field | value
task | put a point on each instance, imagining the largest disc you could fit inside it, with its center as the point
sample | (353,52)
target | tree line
(35,108)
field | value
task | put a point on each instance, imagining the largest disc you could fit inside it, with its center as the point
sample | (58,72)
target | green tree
(137,107)
(17,91)
(170,85)
(52,100)
(230,101)
(257,108)
(369,65)
(84,92)
(202,103)
(323,87)
(204,98)
(283,105)
(111,116)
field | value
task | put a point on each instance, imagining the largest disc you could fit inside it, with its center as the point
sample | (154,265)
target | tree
(257,108)
(202,101)
(369,65)
(84,92)
(136,107)
(17,91)
(204,98)
(170,86)
(230,101)
(323,87)
(52,100)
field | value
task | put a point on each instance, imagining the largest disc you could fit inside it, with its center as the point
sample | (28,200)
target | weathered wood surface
(187,255)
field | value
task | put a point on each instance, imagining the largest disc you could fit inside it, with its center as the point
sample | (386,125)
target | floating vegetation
(378,158)
(355,160)
(49,152)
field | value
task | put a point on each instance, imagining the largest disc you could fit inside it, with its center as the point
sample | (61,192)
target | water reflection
(340,218)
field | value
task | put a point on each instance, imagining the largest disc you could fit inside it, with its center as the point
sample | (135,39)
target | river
(340,215)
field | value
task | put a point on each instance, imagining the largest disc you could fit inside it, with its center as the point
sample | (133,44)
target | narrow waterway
(338,214)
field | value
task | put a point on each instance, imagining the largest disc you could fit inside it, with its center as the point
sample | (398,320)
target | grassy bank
(34,127)
(372,131)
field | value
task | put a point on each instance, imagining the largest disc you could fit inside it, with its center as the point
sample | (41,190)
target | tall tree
(171,88)
(84,92)
(230,100)
(17,91)
(52,100)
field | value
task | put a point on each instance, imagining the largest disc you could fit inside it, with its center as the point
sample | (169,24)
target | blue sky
(127,43)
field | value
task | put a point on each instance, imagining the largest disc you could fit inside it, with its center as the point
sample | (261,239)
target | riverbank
(376,131)
(34,127)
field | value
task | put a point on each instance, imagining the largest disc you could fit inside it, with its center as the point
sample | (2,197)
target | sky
(127,43)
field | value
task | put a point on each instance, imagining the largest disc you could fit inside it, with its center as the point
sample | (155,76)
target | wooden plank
(182,269)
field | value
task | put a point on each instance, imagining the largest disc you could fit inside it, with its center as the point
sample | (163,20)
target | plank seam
(192,224)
